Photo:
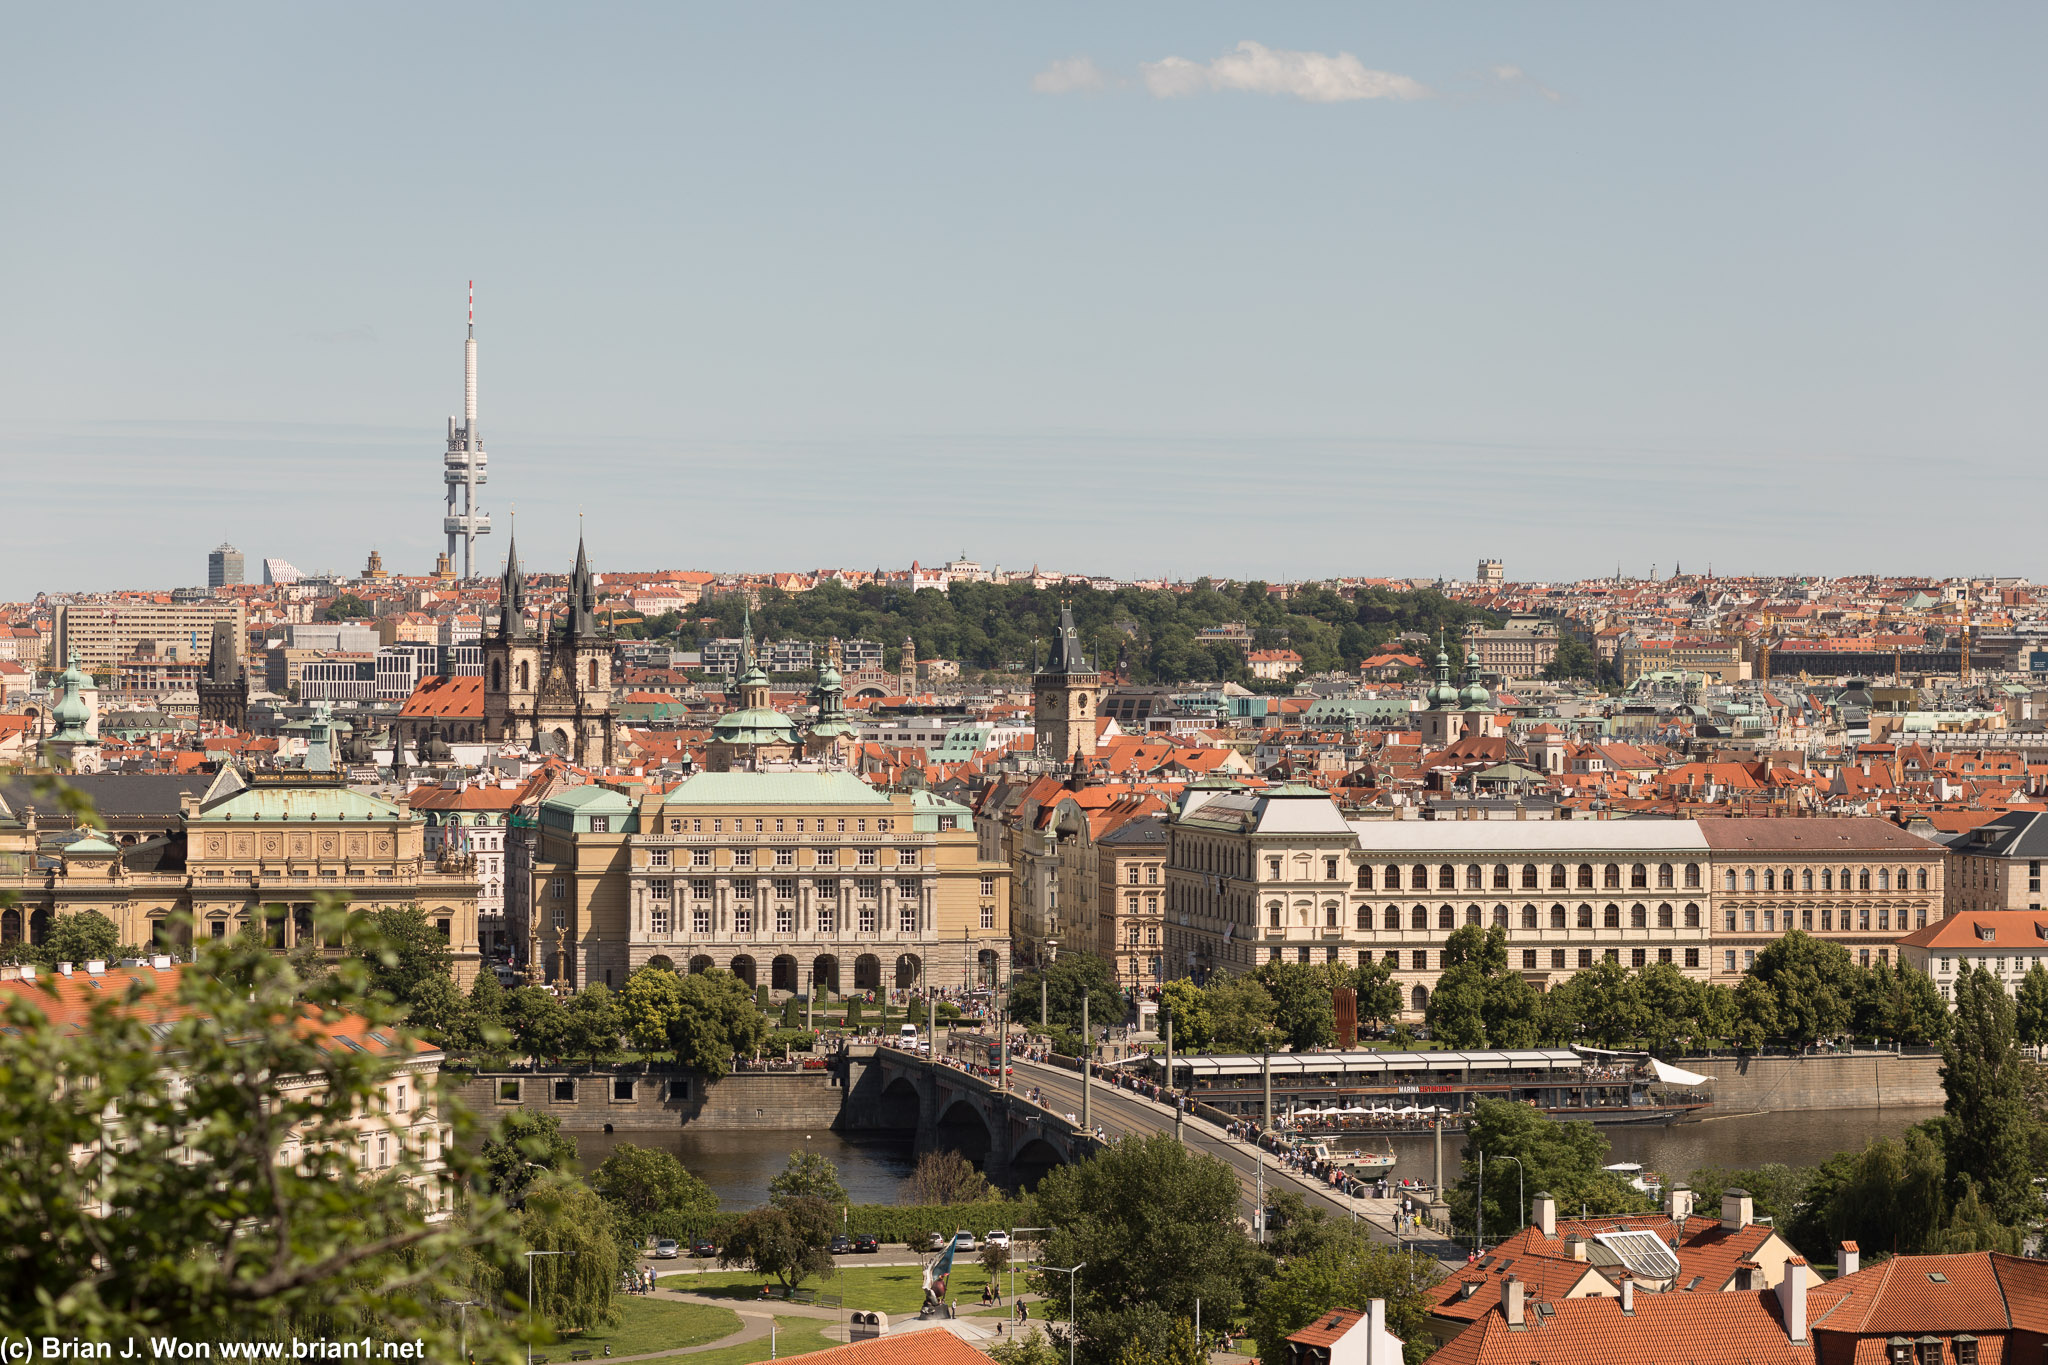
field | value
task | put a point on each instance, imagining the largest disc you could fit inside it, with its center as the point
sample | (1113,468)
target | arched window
(1419,999)
(1728,880)
(1500,877)
(1638,917)
(1664,878)
(593,672)
(1806,879)
(1528,917)
(1557,877)
(1692,876)
(1920,879)
(1863,880)
(1528,876)
(1664,916)
(1692,917)
(1586,875)
(1365,878)
(1749,879)
(1500,916)
(1770,880)
(1827,879)
(1613,878)
(1418,918)
(1585,917)
(1471,914)
(1884,879)
(1638,877)
(1393,917)
(1611,917)
(497,676)
(1418,877)
(1446,918)
(1474,877)
(1446,878)
(1557,917)
(525,676)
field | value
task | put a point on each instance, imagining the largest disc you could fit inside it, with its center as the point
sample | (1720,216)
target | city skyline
(1153,291)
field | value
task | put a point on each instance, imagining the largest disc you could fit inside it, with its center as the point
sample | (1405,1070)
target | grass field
(793,1337)
(875,1289)
(649,1325)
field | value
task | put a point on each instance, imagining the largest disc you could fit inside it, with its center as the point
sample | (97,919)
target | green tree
(1814,984)
(1177,1347)
(537,1022)
(80,937)
(1486,949)
(1900,1004)
(1994,1094)
(1456,1013)
(1892,1198)
(486,1016)
(943,1176)
(222,1206)
(1030,1349)
(1563,1159)
(1303,1012)
(572,1292)
(1756,1014)
(439,1012)
(1347,1272)
(594,1024)
(1240,1014)
(788,1240)
(808,1175)
(525,1146)
(1672,1005)
(1514,1011)
(715,1021)
(1972,1226)
(1379,995)
(1777,1191)
(1188,1006)
(1156,1225)
(641,1183)
(1064,982)
(2030,1018)
(404,951)
(650,1005)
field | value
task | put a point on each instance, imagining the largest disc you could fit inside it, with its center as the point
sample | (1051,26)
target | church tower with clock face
(1066,697)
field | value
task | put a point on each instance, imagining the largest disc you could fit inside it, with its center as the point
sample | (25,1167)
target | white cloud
(1317,77)
(1514,80)
(1069,74)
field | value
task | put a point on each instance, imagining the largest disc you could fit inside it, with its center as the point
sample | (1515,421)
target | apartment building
(1997,866)
(1131,858)
(790,880)
(105,633)
(1863,883)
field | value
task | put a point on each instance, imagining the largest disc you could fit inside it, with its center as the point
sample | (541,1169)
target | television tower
(464,466)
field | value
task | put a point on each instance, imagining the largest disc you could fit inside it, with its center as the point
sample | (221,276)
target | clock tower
(1066,696)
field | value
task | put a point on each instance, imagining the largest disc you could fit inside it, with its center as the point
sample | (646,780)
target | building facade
(1066,698)
(1131,863)
(551,690)
(1997,866)
(795,881)
(1863,883)
(224,566)
(104,633)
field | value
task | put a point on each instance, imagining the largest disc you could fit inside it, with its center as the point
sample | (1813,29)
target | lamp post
(529,1298)
(1013,1258)
(462,1307)
(1073,1327)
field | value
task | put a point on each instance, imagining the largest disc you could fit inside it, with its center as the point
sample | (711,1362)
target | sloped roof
(791,789)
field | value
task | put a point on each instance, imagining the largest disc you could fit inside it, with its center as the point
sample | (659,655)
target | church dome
(1476,697)
(753,725)
(71,714)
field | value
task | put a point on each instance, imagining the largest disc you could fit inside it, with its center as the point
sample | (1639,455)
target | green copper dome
(754,725)
(71,714)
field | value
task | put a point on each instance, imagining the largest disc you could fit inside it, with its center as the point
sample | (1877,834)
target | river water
(738,1165)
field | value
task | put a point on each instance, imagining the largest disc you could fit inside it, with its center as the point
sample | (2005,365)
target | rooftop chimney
(1851,1260)
(1575,1246)
(1375,1330)
(1737,1210)
(1545,1209)
(162,962)
(1628,1293)
(1792,1298)
(1511,1301)
(63,969)
(1678,1205)
(96,967)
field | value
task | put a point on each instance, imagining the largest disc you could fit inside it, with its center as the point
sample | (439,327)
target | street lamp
(529,1298)
(1013,1259)
(1073,1327)
(462,1306)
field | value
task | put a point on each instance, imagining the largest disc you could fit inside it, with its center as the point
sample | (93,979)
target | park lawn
(793,1337)
(874,1289)
(649,1325)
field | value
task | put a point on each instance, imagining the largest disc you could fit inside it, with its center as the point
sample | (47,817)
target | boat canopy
(1364,1062)
(1678,1075)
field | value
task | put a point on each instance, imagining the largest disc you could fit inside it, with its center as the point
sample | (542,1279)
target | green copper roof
(298,803)
(590,801)
(925,810)
(754,725)
(89,845)
(778,789)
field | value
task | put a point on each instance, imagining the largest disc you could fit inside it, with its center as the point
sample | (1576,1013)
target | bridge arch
(899,1104)
(963,1128)
(1033,1160)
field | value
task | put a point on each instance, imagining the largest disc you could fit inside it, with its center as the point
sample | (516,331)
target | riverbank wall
(654,1099)
(1863,1080)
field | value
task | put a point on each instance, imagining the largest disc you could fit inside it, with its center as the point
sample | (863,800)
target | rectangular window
(1748,958)
(906,857)
(828,920)
(785,857)
(988,916)
(659,888)
(867,919)
(600,824)
(828,890)
(778,824)
(868,888)
(1420,959)
(1692,957)
(622,1088)
(785,888)
(700,857)
(1557,959)
(1749,920)
(1614,954)
(700,889)
(988,884)
(718,826)
(1273,953)
(1728,960)
(1730,918)
(1528,959)
(785,920)
(561,916)
(657,919)
(700,921)
(743,921)
(866,857)
(1585,957)
(557,888)
(828,857)
(906,919)
(658,858)
(907,888)
(743,857)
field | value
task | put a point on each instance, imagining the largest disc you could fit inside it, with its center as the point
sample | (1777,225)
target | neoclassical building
(550,689)
(793,880)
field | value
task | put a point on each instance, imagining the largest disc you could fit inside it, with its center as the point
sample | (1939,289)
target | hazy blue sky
(1273,290)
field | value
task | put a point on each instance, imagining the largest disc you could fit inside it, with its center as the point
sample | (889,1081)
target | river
(738,1165)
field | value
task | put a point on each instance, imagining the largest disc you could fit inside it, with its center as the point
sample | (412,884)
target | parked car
(931,1241)
(703,1246)
(963,1240)
(998,1238)
(865,1244)
(841,1244)
(666,1249)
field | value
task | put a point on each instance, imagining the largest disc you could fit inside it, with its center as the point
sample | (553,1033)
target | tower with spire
(1066,696)
(550,690)
(465,467)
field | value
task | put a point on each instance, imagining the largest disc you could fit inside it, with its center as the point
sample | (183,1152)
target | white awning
(1674,1075)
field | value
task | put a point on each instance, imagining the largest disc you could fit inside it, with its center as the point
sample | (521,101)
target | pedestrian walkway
(754,1327)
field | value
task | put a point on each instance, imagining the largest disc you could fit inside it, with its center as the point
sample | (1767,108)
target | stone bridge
(1013,1141)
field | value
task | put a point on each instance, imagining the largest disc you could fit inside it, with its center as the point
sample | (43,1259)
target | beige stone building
(1131,867)
(1863,883)
(1997,866)
(105,633)
(1523,648)
(256,855)
(790,880)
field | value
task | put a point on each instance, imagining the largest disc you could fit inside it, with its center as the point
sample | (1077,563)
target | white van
(907,1036)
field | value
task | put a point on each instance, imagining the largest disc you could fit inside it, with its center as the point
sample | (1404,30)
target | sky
(1167,288)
